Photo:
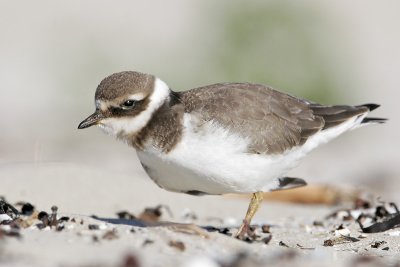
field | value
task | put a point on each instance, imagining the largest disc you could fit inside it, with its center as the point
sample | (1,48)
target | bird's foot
(243,230)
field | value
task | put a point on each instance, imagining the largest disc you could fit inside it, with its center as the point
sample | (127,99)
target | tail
(336,115)
(371,107)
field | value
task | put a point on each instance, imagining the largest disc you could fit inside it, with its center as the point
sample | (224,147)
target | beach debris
(267,239)
(344,215)
(94,227)
(186,228)
(221,230)
(110,235)
(5,218)
(318,223)
(265,228)
(385,217)
(8,209)
(147,242)
(44,217)
(254,233)
(27,209)
(360,203)
(305,248)
(378,244)
(9,226)
(51,220)
(339,240)
(342,231)
(154,214)
(126,215)
(179,245)
(283,244)
(370,218)
(148,215)
(14,219)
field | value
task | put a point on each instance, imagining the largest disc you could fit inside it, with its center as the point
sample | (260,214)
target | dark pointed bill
(93,119)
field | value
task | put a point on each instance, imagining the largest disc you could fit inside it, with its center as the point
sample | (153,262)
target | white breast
(213,160)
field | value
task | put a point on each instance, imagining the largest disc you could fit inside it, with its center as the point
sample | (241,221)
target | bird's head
(125,102)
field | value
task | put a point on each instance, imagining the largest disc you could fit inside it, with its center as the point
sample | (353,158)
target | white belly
(214,161)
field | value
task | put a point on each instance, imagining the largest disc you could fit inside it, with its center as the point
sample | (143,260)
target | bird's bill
(93,119)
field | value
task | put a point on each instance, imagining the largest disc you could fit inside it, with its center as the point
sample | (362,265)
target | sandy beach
(94,236)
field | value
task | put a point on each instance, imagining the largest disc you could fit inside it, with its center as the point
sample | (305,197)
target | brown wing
(273,121)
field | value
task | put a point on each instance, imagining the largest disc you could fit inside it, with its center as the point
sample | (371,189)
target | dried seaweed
(383,220)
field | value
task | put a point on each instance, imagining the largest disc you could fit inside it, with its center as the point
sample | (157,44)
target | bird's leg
(252,209)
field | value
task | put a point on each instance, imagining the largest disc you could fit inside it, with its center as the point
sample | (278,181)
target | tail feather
(370,106)
(373,120)
(336,115)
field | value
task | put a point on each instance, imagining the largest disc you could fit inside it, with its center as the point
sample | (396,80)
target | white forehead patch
(125,125)
(101,105)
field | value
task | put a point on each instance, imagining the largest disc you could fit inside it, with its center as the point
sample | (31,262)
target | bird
(221,138)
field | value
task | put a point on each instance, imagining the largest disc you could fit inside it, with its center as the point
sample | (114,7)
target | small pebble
(342,232)
(377,244)
(110,235)
(93,227)
(267,239)
(179,245)
(147,242)
(265,228)
(27,209)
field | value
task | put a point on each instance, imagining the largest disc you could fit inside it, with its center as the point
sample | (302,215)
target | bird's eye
(128,104)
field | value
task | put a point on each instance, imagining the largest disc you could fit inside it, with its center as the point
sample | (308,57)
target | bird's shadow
(129,222)
(144,224)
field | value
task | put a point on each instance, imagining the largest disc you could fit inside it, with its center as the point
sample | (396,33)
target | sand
(80,191)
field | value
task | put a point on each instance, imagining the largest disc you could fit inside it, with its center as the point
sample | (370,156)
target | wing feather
(273,121)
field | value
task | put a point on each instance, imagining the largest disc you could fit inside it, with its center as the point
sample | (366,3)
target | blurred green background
(53,55)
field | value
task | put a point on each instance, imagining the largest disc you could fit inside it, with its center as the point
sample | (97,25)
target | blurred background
(54,54)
